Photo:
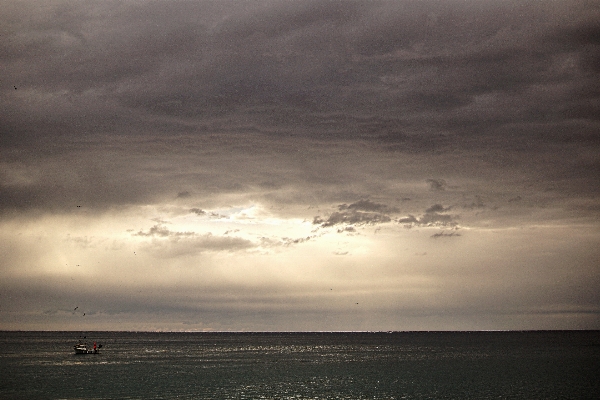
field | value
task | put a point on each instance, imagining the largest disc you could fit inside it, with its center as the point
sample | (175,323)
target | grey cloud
(173,245)
(433,216)
(84,241)
(288,241)
(437,184)
(476,203)
(213,214)
(161,231)
(169,244)
(436,219)
(368,206)
(399,70)
(71,181)
(408,220)
(352,217)
(275,242)
(437,208)
(349,229)
(402,71)
(445,234)
(285,18)
(358,213)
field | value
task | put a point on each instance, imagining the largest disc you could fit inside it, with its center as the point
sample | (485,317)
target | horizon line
(323,331)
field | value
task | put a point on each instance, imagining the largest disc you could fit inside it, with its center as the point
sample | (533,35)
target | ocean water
(398,365)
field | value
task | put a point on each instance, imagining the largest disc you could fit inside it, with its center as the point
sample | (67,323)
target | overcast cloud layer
(305,165)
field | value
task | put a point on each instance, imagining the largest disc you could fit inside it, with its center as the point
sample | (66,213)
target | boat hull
(86,352)
(82,349)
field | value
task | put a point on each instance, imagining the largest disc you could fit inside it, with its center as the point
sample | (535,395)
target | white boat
(82,348)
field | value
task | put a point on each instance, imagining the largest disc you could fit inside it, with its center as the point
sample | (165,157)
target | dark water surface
(400,365)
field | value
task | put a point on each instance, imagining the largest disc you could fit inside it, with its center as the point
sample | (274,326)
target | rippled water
(400,365)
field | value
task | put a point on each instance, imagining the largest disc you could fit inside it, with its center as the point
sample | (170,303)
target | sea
(316,365)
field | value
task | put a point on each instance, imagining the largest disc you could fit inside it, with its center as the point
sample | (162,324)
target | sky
(299,165)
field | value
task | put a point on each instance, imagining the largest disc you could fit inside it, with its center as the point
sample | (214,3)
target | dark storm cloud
(507,82)
(396,70)
(61,177)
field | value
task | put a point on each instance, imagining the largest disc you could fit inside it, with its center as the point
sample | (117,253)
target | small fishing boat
(82,348)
